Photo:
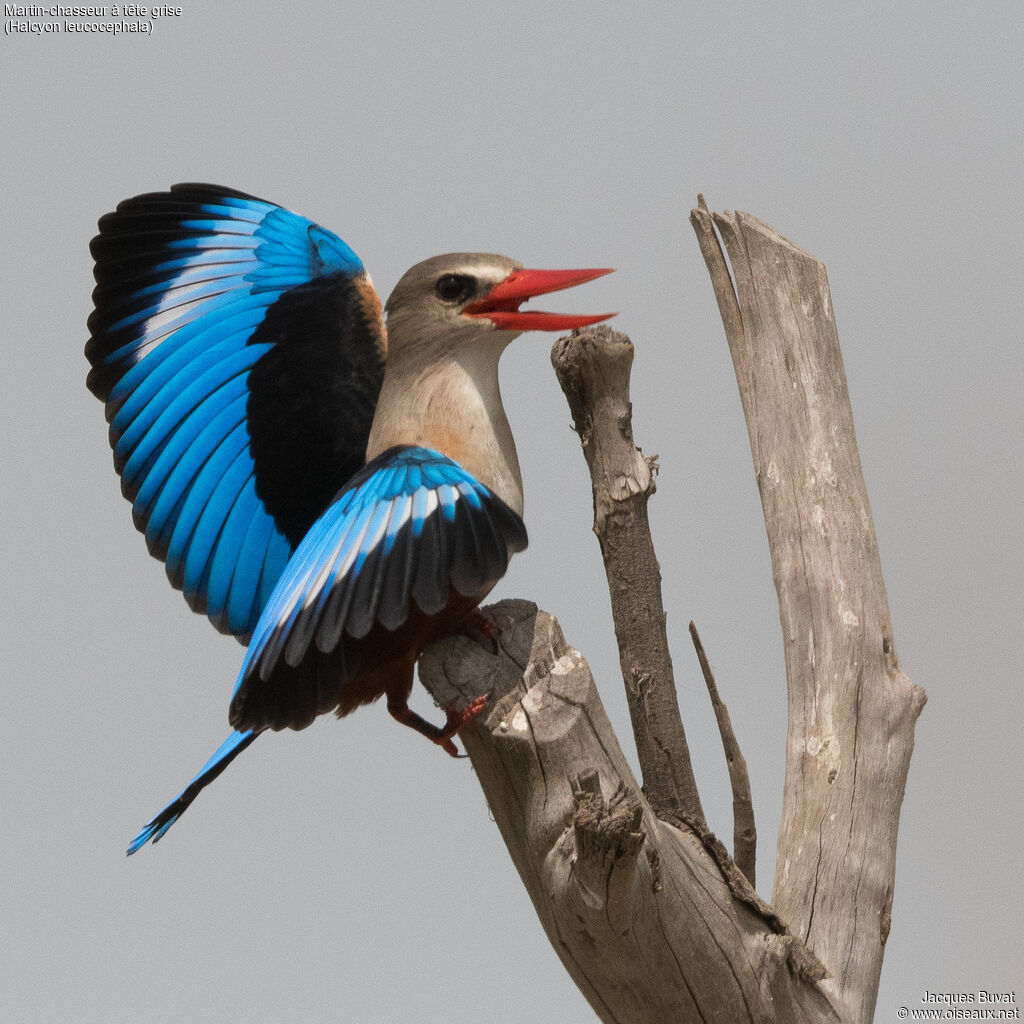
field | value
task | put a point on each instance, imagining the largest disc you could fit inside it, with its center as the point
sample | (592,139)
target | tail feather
(226,753)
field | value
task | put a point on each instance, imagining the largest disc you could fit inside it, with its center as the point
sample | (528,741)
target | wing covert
(239,349)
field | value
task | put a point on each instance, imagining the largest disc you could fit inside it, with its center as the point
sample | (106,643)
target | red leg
(442,736)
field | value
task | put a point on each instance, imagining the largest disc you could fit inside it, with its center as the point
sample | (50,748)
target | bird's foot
(482,630)
(457,719)
(442,736)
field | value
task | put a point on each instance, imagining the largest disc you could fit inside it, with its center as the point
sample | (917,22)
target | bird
(332,481)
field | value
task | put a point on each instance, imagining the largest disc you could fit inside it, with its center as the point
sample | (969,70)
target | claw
(449,748)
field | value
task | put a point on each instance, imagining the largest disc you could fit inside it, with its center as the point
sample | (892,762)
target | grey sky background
(351,872)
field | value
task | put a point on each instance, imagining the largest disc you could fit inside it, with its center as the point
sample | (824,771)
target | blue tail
(226,753)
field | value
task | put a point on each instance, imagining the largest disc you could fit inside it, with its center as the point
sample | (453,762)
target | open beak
(501,304)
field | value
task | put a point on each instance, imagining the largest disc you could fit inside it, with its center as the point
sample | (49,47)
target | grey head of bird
(463,298)
(448,320)
(427,310)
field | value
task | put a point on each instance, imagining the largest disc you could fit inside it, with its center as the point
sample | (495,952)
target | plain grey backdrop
(351,872)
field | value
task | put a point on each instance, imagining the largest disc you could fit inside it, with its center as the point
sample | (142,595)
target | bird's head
(472,297)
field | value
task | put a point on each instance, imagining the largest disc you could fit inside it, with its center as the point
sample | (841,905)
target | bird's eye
(454,287)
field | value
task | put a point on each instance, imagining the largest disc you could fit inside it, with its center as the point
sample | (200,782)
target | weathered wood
(638,911)
(593,367)
(851,710)
(744,831)
(656,922)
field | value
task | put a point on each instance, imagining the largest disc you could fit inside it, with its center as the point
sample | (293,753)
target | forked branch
(655,922)
(640,912)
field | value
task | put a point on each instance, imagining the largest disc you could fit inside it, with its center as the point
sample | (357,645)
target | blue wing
(411,530)
(239,349)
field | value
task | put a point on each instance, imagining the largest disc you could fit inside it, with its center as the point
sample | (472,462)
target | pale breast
(450,410)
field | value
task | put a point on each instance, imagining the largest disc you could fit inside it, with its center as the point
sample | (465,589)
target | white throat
(452,403)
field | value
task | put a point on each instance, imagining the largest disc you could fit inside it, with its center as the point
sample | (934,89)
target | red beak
(501,304)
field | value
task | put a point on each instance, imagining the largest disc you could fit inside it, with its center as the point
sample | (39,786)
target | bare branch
(851,709)
(593,368)
(744,836)
(640,913)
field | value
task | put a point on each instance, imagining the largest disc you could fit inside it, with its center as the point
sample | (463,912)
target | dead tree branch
(593,368)
(639,911)
(655,922)
(744,834)
(851,710)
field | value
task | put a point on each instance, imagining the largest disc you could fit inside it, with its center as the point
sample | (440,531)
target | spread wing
(409,530)
(239,349)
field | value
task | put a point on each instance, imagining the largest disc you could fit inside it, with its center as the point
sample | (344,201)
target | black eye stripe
(455,287)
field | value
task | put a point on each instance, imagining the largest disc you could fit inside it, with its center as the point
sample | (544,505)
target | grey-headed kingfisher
(333,491)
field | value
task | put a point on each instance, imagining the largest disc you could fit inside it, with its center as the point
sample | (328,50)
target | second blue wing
(411,530)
